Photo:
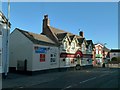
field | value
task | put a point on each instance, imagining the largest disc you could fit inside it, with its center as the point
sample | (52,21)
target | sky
(98,20)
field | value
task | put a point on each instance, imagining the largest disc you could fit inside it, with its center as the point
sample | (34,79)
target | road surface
(90,78)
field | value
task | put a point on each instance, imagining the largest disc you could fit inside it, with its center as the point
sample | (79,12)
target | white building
(114,53)
(31,52)
(4,44)
(52,49)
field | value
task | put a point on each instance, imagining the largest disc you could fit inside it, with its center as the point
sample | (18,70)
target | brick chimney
(46,21)
(81,33)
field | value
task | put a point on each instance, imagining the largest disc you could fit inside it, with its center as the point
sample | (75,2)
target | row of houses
(52,49)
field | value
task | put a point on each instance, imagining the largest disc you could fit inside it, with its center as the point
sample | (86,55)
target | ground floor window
(42,57)
(53,57)
(72,61)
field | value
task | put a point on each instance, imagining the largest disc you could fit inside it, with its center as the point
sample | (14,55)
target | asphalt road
(90,78)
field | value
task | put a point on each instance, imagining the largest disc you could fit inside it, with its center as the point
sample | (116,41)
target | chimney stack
(81,33)
(46,21)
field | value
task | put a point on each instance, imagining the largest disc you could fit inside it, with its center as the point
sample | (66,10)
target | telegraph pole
(7,41)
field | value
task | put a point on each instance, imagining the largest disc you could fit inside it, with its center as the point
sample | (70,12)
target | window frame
(53,57)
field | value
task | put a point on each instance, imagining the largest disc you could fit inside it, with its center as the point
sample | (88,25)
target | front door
(78,59)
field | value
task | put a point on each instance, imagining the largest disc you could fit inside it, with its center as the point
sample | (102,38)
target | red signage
(64,55)
(78,53)
(42,57)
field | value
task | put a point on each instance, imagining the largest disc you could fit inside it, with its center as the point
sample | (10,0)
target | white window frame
(96,51)
(83,47)
(73,45)
(53,57)
(65,45)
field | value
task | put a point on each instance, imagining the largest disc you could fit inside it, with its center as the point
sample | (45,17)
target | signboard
(98,55)
(42,57)
(40,50)
(65,55)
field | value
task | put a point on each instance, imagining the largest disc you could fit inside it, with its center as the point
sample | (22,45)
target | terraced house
(52,49)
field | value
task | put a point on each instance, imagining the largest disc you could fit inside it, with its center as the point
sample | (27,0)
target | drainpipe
(59,56)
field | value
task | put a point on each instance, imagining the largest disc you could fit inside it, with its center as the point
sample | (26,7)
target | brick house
(101,54)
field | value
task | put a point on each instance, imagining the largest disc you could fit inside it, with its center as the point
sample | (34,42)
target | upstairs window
(73,45)
(65,45)
(83,47)
(90,48)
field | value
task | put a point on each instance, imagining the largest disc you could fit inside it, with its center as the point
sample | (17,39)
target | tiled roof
(80,40)
(56,31)
(60,34)
(115,50)
(90,42)
(37,38)
(71,37)
(106,49)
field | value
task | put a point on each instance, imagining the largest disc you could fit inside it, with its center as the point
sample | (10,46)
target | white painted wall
(114,54)
(37,65)
(21,48)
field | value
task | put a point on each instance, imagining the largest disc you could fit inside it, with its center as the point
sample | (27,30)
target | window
(65,45)
(96,51)
(83,47)
(53,57)
(42,57)
(100,52)
(73,45)
(90,48)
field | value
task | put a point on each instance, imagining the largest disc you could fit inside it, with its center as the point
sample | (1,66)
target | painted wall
(69,61)
(21,48)
(50,57)
(114,54)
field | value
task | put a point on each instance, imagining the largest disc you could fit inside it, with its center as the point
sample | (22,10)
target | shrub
(114,59)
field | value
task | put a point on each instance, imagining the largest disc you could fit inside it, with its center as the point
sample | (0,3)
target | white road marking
(87,80)
(69,86)
(21,87)
(103,75)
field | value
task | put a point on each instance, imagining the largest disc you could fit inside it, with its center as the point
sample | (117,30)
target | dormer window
(90,48)
(83,47)
(65,45)
(73,45)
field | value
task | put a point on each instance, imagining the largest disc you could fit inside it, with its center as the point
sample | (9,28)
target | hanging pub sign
(40,50)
